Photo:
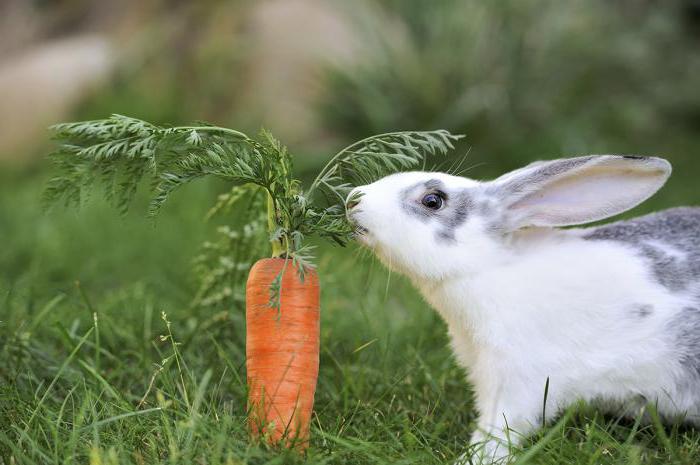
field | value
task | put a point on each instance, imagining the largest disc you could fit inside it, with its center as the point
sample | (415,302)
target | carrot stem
(277,249)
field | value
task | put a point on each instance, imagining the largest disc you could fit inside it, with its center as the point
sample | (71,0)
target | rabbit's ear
(578,190)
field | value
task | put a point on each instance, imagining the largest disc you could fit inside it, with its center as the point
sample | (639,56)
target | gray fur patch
(417,211)
(668,240)
(434,184)
(456,213)
(458,205)
(412,208)
(686,330)
(642,310)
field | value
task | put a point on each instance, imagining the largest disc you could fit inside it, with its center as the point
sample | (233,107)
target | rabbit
(607,314)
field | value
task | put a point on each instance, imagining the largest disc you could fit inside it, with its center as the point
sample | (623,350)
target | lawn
(104,359)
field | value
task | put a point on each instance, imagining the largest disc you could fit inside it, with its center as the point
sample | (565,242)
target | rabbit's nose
(353,199)
(351,203)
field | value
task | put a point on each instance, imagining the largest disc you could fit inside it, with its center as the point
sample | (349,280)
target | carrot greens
(120,153)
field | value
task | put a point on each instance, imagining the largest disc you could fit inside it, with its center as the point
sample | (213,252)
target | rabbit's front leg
(503,422)
(489,446)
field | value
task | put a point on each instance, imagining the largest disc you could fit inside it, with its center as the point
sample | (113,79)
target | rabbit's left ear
(578,190)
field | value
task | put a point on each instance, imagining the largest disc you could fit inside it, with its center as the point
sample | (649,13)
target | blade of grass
(537,448)
(55,379)
(106,421)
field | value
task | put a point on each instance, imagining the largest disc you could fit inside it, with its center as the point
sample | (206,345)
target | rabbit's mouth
(363,236)
(352,218)
(361,233)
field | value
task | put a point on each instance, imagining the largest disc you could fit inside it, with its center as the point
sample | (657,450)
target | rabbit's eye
(432,201)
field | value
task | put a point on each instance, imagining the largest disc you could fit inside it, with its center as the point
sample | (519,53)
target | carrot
(282,352)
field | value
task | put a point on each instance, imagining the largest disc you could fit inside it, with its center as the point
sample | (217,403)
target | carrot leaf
(120,153)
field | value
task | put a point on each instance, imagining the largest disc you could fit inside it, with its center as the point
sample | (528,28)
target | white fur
(531,304)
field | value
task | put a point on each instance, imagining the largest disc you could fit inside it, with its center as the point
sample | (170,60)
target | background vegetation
(106,353)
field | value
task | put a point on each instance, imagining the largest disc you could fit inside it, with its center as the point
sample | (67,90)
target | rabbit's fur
(609,314)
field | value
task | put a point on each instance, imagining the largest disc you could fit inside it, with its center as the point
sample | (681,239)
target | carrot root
(282,353)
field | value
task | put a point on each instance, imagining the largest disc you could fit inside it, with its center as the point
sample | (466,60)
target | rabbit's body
(609,314)
(560,318)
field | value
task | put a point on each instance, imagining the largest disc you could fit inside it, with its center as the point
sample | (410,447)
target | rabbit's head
(434,225)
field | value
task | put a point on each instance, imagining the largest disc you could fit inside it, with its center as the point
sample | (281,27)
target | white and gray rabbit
(609,314)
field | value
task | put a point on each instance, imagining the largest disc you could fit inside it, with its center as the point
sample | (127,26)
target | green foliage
(378,156)
(120,151)
(525,79)
(222,264)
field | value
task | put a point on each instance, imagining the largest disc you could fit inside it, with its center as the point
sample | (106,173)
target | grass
(103,359)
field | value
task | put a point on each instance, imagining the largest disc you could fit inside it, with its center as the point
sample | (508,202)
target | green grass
(90,372)
(104,360)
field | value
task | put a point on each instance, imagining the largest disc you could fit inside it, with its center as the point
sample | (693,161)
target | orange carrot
(282,351)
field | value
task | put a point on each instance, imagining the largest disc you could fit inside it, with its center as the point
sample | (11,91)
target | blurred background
(522,79)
